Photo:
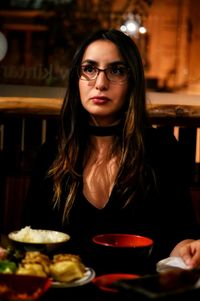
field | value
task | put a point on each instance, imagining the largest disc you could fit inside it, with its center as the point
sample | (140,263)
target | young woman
(109,170)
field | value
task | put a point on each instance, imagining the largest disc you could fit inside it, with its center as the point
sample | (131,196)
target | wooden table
(90,292)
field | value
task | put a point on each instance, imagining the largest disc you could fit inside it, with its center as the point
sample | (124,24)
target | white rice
(29,235)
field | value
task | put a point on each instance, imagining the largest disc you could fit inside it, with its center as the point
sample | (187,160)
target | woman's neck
(104,131)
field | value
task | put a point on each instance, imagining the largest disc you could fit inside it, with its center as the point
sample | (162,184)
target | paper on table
(171,262)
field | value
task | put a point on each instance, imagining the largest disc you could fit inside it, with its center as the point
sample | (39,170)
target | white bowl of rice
(38,239)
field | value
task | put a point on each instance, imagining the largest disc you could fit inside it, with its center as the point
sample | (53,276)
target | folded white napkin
(171,262)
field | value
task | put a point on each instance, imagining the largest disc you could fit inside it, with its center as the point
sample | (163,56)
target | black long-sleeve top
(164,214)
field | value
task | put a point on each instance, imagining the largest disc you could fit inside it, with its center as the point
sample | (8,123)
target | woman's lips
(100,100)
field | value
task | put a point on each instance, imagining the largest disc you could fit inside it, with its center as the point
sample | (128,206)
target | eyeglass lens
(113,73)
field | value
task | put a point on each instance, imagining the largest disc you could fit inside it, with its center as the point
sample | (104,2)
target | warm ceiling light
(142,30)
(132,26)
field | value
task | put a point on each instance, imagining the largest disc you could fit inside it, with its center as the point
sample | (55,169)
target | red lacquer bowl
(122,253)
(123,240)
(104,282)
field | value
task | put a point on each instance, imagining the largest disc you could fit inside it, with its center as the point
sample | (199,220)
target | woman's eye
(118,70)
(88,68)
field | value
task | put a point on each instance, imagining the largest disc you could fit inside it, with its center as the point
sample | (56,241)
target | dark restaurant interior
(37,41)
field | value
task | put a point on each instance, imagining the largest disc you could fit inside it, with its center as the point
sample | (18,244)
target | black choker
(105,130)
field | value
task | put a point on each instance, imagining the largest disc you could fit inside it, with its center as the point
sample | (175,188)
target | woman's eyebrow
(119,62)
(89,62)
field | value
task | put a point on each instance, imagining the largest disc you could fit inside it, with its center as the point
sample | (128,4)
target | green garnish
(7,266)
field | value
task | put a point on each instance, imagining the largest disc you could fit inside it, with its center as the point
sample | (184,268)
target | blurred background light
(3,46)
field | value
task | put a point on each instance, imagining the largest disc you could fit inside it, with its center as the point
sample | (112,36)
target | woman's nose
(102,81)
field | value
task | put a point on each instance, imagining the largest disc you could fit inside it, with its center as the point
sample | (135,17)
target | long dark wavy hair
(75,144)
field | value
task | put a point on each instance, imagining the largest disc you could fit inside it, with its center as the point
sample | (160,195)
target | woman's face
(102,97)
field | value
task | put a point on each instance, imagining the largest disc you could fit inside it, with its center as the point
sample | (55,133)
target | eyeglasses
(115,73)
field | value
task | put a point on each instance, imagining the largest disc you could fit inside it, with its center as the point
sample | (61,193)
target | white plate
(88,277)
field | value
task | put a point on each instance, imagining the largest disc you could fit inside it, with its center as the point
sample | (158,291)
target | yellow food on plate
(34,263)
(66,268)
(34,269)
(36,257)
(66,271)
(62,267)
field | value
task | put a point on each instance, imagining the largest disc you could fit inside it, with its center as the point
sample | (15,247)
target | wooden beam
(162,107)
